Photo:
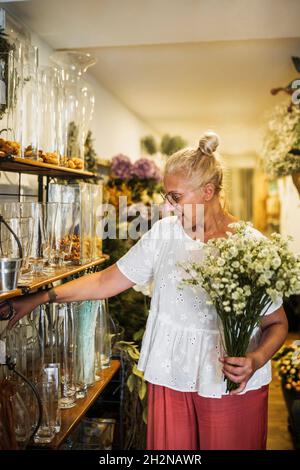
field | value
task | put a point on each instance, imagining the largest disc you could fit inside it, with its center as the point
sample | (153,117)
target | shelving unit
(32,167)
(44,280)
(72,416)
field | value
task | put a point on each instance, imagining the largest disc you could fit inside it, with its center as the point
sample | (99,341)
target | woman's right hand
(21,306)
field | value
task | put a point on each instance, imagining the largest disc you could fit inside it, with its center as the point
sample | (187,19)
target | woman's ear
(208,191)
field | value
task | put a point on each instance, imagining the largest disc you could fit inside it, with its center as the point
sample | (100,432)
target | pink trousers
(186,421)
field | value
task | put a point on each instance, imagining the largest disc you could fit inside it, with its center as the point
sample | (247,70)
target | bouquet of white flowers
(243,275)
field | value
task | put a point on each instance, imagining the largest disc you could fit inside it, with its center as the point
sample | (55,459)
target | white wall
(290,211)
(115,128)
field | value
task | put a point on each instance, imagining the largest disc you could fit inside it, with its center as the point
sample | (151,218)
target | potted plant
(281,146)
(287,362)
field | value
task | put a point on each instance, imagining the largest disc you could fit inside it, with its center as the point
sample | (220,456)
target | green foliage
(149,145)
(73,149)
(170,145)
(5,47)
(135,397)
(89,153)
(167,146)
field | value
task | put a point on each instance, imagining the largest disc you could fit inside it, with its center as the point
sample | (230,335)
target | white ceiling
(182,65)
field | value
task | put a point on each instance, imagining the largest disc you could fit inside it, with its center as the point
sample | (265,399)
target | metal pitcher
(9,267)
(9,273)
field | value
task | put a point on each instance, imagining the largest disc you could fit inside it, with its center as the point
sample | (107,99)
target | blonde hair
(200,165)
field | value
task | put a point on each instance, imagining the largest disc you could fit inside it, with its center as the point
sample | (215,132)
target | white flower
(282,135)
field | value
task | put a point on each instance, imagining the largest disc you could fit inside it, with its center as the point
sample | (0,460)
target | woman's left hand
(239,370)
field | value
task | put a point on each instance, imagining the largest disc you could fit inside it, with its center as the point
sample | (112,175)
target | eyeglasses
(172,198)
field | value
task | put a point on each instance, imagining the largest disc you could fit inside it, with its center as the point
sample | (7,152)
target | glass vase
(102,337)
(67,347)
(49,116)
(10,83)
(85,325)
(65,247)
(30,108)
(77,103)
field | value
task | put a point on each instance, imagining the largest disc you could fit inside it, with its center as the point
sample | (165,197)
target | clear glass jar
(10,102)
(97,219)
(30,103)
(48,116)
(81,195)
(76,103)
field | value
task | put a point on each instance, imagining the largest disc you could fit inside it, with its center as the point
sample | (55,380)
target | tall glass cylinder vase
(102,337)
(87,99)
(97,224)
(85,324)
(22,347)
(10,102)
(51,373)
(17,413)
(46,319)
(30,103)
(46,431)
(77,104)
(49,116)
(67,344)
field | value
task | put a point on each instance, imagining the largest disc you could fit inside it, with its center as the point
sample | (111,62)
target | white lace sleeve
(138,263)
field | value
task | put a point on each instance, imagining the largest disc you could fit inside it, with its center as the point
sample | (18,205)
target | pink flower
(144,168)
(121,166)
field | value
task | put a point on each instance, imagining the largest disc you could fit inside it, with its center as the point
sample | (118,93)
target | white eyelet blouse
(181,343)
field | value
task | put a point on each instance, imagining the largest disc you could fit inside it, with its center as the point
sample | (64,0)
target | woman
(188,407)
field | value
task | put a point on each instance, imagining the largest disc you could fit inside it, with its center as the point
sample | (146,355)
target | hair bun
(208,143)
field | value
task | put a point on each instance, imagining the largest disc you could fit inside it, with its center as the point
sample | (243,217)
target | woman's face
(187,202)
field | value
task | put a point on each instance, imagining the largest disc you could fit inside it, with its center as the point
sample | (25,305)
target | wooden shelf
(44,280)
(71,417)
(11,293)
(25,165)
